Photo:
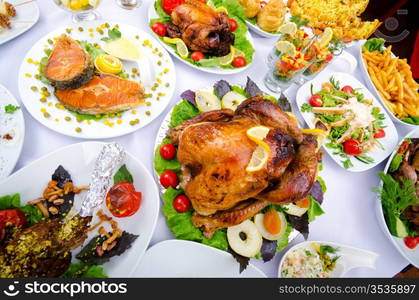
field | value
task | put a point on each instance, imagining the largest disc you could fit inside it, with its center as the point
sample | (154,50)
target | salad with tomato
(241,51)
(278,223)
(351,123)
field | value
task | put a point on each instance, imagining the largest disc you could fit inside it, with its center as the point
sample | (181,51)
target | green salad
(291,215)
(352,124)
(242,50)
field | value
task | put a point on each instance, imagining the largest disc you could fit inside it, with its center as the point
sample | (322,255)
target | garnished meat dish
(214,151)
(104,93)
(69,66)
(201,28)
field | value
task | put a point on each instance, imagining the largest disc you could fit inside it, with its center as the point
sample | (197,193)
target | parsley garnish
(10,109)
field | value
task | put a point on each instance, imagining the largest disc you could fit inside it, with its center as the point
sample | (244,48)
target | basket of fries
(391,79)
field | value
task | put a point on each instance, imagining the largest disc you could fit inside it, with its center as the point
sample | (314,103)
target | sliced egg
(295,210)
(271,225)
(232,99)
(207,101)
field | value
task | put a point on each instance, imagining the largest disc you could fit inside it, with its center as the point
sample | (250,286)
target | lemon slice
(286,48)
(181,47)
(318,133)
(292,117)
(221,9)
(326,37)
(257,133)
(206,101)
(288,28)
(259,159)
(237,52)
(227,59)
(108,64)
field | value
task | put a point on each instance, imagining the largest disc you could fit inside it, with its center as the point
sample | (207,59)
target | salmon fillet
(105,93)
(69,66)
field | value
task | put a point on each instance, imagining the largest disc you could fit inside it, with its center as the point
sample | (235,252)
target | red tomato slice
(170,5)
(123,200)
(351,147)
(316,101)
(380,134)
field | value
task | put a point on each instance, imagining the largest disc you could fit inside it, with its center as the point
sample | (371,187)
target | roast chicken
(214,151)
(201,28)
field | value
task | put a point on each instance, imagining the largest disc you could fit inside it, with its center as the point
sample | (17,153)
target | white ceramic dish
(372,87)
(412,255)
(10,124)
(388,142)
(177,258)
(98,129)
(152,14)
(350,257)
(78,160)
(27,13)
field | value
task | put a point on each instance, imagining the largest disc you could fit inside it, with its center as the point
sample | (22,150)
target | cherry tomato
(233,25)
(181,203)
(316,101)
(351,147)
(410,242)
(197,55)
(263,3)
(170,5)
(239,62)
(159,29)
(329,57)
(12,216)
(168,151)
(380,134)
(347,89)
(169,178)
(123,200)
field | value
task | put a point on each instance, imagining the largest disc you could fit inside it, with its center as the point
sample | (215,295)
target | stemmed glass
(82,10)
(129,4)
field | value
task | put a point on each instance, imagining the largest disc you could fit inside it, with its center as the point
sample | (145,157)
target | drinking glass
(129,4)
(82,10)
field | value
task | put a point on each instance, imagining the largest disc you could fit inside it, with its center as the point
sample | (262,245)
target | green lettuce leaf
(181,224)
(314,209)
(161,164)
(374,44)
(182,112)
(411,120)
(283,241)
(159,9)
(122,175)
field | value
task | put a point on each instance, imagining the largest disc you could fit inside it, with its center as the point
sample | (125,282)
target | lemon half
(181,47)
(286,48)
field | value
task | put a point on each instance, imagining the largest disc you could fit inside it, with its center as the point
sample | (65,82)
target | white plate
(177,258)
(26,12)
(79,160)
(349,257)
(372,87)
(412,255)
(152,14)
(97,129)
(10,151)
(388,142)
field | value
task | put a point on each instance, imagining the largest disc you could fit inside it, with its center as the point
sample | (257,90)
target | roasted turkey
(214,151)
(201,28)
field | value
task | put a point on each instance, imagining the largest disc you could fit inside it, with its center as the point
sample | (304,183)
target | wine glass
(82,10)
(129,4)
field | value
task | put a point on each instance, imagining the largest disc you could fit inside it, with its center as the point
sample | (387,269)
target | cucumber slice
(231,100)
(206,101)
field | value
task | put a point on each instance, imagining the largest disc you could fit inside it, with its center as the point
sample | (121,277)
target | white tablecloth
(349,202)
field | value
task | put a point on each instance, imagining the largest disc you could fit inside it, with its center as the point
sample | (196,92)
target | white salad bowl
(388,142)
(412,255)
(349,257)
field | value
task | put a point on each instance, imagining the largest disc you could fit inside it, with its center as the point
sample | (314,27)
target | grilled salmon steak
(69,66)
(105,93)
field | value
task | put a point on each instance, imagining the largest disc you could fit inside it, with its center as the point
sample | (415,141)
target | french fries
(394,82)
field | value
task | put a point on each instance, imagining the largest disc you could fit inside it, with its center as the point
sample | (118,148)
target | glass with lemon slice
(83,10)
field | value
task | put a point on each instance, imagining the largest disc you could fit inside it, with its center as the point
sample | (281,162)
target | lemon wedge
(288,28)
(259,159)
(181,47)
(261,154)
(221,9)
(326,37)
(286,48)
(227,59)
(238,52)
(318,133)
